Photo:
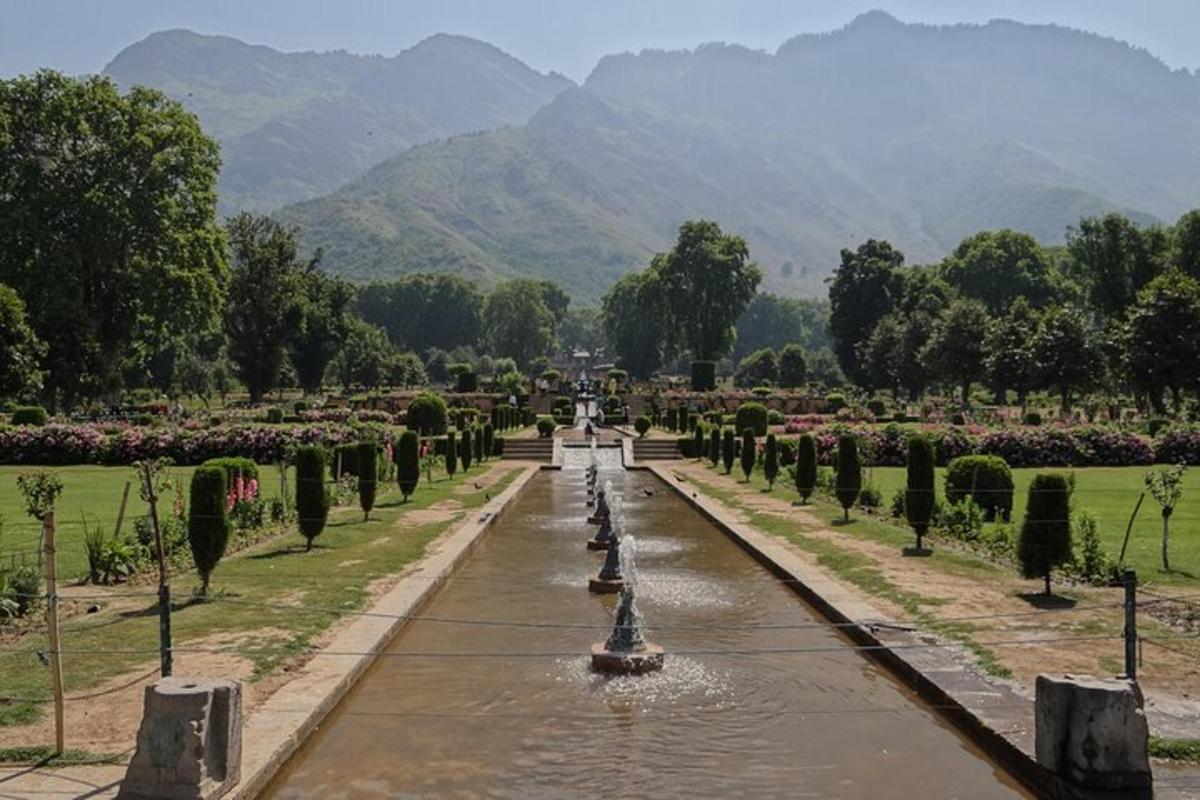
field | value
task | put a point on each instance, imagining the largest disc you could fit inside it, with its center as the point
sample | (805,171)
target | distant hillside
(915,133)
(293,126)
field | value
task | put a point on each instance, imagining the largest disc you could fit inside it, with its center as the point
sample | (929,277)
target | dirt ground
(1170,680)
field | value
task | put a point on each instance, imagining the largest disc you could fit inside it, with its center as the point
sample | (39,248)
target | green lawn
(1109,494)
(348,556)
(94,491)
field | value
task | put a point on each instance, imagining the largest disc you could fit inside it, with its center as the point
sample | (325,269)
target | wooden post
(1131,634)
(52,630)
(164,590)
(121,511)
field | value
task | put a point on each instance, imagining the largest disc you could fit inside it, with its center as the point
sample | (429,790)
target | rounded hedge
(987,480)
(30,415)
(753,416)
(849,473)
(642,425)
(427,415)
(704,376)
(545,427)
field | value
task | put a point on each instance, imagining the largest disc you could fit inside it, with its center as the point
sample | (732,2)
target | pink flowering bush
(1178,445)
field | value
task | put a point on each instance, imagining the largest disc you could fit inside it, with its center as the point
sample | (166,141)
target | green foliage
(759,367)
(772,320)
(996,267)
(919,495)
(834,403)
(962,520)
(368,476)
(30,415)
(108,200)
(1166,487)
(728,449)
(208,524)
(642,425)
(955,351)
(849,473)
(704,376)
(1094,564)
(985,479)
(274,415)
(427,415)
(517,322)
(264,306)
(1045,538)
(699,441)
(1112,258)
(234,466)
(312,499)
(466,382)
(546,426)
(793,367)
(714,444)
(21,366)
(864,288)
(753,416)
(366,358)
(806,466)
(40,490)
(422,311)
(1067,352)
(771,461)
(1158,341)
(323,328)
(1010,362)
(487,441)
(452,452)
(408,463)
(749,452)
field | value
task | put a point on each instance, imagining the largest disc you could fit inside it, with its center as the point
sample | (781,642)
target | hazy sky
(566,35)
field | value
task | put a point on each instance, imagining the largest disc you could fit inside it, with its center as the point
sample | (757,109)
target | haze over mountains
(914,133)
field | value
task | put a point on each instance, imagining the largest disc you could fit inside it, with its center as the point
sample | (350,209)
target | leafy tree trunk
(1166,518)
(1048,592)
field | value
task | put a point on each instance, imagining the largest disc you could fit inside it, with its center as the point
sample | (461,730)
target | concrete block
(189,745)
(1092,732)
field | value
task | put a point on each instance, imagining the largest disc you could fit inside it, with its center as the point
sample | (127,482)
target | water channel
(514,711)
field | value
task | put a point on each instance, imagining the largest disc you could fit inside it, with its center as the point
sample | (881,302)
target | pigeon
(487,496)
(476,485)
(648,492)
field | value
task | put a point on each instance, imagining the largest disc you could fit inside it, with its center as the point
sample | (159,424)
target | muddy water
(513,711)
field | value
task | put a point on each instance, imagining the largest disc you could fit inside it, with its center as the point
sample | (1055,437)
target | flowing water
(463,709)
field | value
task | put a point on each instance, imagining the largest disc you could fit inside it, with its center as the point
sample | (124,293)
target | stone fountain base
(605,586)
(611,662)
(594,545)
(591,503)
(595,519)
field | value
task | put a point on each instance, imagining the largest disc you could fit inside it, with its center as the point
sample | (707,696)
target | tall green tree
(955,351)
(996,267)
(366,358)
(1009,361)
(865,287)
(21,351)
(516,321)
(760,367)
(707,281)
(1162,337)
(1068,354)
(582,329)
(772,320)
(424,310)
(1185,244)
(635,325)
(793,366)
(108,225)
(324,323)
(265,300)
(1112,259)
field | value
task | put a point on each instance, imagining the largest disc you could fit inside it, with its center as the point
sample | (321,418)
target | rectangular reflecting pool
(491,694)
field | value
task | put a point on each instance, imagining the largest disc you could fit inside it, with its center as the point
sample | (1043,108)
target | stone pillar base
(189,746)
(1091,733)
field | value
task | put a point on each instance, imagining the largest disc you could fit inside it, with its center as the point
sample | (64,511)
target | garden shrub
(208,522)
(234,466)
(368,476)
(787,452)
(488,440)
(849,473)
(1045,539)
(451,453)
(985,479)
(771,461)
(545,427)
(752,416)
(427,415)
(687,446)
(465,451)
(699,441)
(30,415)
(870,496)
(274,415)
(834,403)
(1156,425)
(477,443)
(749,451)
(408,463)
(714,445)
(1179,444)
(962,520)
(1032,418)
(775,417)
(1093,563)
(642,425)
(919,496)
(806,466)
(299,407)
(958,418)
(876,407)
(466,382)
(728,449)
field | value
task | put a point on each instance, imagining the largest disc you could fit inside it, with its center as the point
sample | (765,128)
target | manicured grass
(1109,494)
(44,756)
(96,492)
(1185,750)
(269,603)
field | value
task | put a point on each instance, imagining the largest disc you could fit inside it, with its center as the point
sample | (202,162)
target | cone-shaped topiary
(312,501)
(489,441)
(771,461)
(849,473)
(714,445)
(451,454)
(408,463)
(464,449)
(208,522)
(748,452)
(1045,539)
(368,477)
(477,441)
(806,466)
(700,440)
(919,490)
(728,449)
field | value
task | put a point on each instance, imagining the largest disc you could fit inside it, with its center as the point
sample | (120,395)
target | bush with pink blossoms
(1178,445)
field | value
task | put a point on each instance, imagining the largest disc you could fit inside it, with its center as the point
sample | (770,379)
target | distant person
(600,417)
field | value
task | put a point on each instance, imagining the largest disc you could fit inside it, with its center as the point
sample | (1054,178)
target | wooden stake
(121,511)
(52,630)
(166,655)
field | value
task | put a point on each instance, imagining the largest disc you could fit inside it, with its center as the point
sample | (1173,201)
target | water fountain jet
(626,651)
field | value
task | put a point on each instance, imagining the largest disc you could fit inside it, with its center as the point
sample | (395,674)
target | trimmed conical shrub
(771,461)
(919,489)
(208,521)
(489,441)
(714,445)
(451,454)
(1045,539)
(408,463)
(464,449)
(806,466)
(749,452)
(849,473)
(728,449)
(312,501)
(699,441)
(368,477)
(477,434)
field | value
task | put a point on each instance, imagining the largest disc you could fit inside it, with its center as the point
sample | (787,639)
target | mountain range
(915,133)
